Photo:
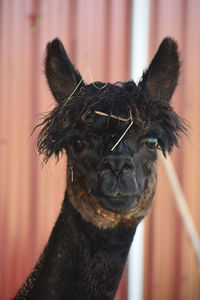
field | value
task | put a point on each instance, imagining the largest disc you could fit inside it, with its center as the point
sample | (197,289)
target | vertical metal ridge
(35,69)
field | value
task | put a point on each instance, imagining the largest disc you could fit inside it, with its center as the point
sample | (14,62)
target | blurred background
(108,40)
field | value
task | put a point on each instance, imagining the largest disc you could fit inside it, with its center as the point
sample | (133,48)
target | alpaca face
(111,133)
(108,187)
(118,177)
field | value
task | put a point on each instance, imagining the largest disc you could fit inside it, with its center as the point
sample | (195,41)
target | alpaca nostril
(127,168)
(106,168)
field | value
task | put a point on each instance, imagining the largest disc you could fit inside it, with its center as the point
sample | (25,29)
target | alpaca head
(111,134)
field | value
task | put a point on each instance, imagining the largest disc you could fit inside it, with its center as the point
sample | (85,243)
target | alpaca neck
(80,260)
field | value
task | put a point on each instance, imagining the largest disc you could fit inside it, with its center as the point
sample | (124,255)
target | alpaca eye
(151,143)
(78,146)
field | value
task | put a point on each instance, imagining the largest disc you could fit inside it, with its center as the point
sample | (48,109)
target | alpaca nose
(116,164)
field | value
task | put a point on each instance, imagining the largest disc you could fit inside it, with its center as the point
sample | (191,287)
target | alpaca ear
(160,79)
(61,75)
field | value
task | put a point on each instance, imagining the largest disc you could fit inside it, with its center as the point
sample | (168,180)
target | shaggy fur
(108,191)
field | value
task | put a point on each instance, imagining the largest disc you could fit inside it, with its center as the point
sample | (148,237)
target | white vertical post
(139,57)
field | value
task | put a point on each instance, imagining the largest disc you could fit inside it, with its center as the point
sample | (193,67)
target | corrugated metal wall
(96,35)
(171,271)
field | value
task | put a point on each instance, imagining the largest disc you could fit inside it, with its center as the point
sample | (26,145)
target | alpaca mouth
(118,203)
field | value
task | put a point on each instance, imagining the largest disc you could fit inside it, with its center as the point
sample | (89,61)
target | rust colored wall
(96,36)
(171,271)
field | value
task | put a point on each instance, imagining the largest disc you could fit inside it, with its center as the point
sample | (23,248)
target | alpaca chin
(118,204)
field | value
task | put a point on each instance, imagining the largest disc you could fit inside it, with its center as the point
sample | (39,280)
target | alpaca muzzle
(118,189)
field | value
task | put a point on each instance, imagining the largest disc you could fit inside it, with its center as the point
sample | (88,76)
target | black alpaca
(111,134)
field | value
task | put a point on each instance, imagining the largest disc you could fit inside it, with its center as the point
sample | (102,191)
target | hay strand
(127,129)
